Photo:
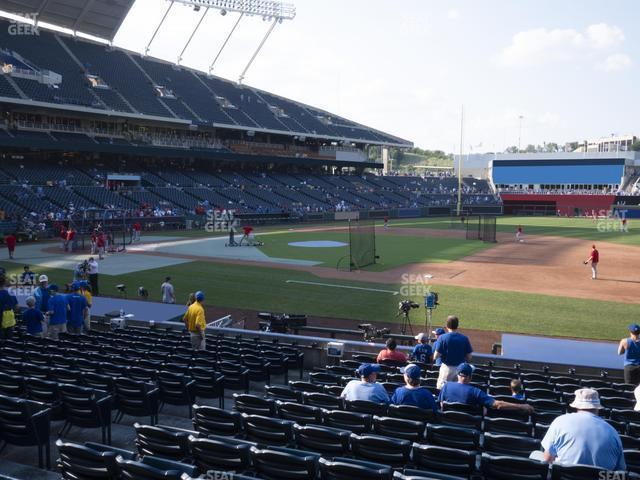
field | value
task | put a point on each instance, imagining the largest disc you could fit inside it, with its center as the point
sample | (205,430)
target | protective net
(481,227)
(362,243)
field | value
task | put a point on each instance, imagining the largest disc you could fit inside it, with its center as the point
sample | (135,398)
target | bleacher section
(107,78)
(238,406)
(42,188)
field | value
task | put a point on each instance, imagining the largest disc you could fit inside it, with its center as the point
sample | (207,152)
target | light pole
(520,117)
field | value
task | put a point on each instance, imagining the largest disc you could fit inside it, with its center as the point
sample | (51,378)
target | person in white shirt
(93,275)
(168,294)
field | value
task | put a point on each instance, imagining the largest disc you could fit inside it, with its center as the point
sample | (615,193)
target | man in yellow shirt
(196,323)
(85,290)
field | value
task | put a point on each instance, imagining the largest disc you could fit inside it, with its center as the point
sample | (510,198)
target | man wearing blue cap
(630,348)
(438,332)
(58,308)
(78,309)
(412,393)
(366,388)
(462,392)
(195,322)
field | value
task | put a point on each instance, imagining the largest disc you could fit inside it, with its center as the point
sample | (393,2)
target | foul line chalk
(393,292)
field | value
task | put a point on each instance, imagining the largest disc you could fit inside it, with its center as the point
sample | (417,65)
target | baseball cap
(586,399)
(439,331)
(634,328)
(75,286)
(199,295)
(411,371)
(83,283)
(464,370)
(419,337)
(43,278)
(53,287)
(367,369)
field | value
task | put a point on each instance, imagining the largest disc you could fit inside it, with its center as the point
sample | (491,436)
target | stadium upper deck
(54,70)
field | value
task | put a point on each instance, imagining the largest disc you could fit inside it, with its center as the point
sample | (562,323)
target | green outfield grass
(393,250)
(264,289)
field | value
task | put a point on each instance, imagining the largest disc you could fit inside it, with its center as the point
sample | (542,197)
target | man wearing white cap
(41,294)
(422,352)
(583,438)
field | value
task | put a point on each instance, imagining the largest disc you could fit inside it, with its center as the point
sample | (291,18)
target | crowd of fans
(582,437)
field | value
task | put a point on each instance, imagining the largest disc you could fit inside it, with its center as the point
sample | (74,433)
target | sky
(569,68)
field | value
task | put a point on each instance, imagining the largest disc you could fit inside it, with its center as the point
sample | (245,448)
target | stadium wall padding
(565,203)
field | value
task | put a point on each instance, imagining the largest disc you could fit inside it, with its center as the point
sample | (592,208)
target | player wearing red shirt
(594,258)
(136,231)
(94,242)
(101,242)
(247,229)
(11,241)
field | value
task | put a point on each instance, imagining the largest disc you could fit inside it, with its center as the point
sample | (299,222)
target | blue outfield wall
(554,172)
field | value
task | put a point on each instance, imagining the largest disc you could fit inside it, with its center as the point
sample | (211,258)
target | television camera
(404,307)
(281,323)
(370,332)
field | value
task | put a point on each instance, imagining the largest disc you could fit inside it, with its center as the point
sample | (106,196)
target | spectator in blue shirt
(41,294)
(454,348)
(462,392)
(422,352)
(58,308)
(438,332)
(516,389)
(33,318)
(78,308)
(412,393)
(366,388)
(630,347)
(583,438)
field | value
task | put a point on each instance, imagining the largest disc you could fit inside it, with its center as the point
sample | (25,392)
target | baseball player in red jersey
(94,242)
(386,222)
(137,228)
(11,240)
(594,258)
(247,230)
(519,234)
(101,243)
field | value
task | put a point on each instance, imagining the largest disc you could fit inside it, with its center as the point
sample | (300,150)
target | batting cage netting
(362,243)
(481,227)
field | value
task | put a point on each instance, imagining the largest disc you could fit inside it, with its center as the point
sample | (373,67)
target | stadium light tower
(271,10)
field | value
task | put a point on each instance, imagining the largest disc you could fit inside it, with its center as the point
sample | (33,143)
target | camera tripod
(406,322)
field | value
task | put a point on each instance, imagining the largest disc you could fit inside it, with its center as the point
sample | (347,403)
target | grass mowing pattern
(263,289)
(393,250)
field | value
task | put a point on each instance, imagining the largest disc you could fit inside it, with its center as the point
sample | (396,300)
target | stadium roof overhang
(99,18)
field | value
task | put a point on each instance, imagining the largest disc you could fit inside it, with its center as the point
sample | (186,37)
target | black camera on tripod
(405,306)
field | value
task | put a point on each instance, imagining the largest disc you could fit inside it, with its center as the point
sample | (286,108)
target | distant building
(614,143)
